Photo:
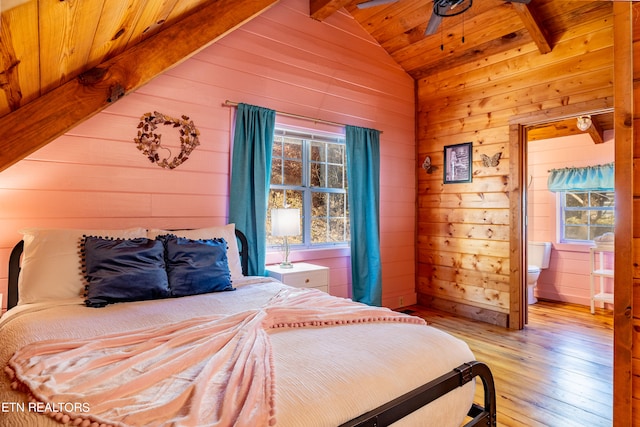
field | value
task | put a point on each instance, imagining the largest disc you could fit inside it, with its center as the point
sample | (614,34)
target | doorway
(519,128)
(623,330)
(560,146)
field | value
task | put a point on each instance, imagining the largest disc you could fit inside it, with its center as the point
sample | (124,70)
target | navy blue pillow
(119,270)
(196,266)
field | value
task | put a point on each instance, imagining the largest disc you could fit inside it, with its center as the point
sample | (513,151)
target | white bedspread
(323,376)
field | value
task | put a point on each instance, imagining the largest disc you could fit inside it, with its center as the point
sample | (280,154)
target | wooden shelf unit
(599,270)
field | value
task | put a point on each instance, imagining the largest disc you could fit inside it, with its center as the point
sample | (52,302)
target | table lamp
(285,222)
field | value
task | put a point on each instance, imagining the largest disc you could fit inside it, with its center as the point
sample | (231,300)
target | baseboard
(465,310)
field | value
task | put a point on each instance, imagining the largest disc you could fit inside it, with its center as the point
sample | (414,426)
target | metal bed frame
(385,414)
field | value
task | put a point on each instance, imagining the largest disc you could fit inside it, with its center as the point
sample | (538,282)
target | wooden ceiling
(489,27)
(44,44)
(62,61)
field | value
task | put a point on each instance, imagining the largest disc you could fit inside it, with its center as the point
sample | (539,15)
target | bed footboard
(404,405)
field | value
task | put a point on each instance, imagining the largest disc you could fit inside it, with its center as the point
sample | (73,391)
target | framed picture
(457,163)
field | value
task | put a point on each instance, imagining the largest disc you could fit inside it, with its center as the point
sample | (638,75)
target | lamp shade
(285,222)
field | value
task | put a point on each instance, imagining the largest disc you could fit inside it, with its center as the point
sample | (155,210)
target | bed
(310,359)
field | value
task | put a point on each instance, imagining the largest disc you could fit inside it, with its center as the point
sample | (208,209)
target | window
(308,171)
(586,214)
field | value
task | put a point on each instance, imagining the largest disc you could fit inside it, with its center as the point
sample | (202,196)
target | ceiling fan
(441,9)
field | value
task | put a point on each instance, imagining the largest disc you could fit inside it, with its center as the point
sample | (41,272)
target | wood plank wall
(634,310)
(94,176)
(463,235)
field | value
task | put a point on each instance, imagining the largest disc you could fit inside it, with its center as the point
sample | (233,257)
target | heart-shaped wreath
(149,142)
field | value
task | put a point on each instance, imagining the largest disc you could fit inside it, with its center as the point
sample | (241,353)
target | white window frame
(562,209)
(308,136)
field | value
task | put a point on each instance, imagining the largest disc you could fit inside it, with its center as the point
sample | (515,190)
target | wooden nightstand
(302,275)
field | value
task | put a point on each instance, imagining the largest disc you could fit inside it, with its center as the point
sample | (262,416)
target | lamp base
(286,264)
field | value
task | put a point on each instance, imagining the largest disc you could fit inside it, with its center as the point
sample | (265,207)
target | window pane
(576,217)
(577,233)
(602,199)
(319,230)
(277,146)
(293,148)
(318,175)
(335,153)
(319,204)
(599,231)
(295,199)
(276,199)
(292,161)
(603,217)
(337,205)
(276,171)
(335,176)
(318,152)
(339,222)
(337,230)
(292,172)
(577,200)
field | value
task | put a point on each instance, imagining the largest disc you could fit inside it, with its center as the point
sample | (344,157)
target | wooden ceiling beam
(37,123)
(532,24)
(596,132)
(566,127)
(322,9)
(557,129)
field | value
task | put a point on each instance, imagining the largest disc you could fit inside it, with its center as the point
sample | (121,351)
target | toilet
(538,255)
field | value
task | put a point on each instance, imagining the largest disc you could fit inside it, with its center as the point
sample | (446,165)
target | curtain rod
(582,167)
(228,103)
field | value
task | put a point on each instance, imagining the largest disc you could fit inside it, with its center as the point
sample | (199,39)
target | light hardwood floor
(558,371)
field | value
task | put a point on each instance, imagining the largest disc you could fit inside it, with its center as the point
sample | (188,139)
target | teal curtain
(250,179)
(363,177)
(589,178)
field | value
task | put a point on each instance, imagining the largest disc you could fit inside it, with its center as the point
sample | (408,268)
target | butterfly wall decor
(491,162)
(426,165)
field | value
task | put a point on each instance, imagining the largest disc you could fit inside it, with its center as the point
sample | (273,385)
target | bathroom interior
(560,270)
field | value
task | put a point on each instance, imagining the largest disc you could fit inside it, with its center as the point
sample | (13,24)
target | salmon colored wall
(94,176)
(567,278)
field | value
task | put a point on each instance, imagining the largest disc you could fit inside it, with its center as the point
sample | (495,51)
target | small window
(586,215)
(308,171)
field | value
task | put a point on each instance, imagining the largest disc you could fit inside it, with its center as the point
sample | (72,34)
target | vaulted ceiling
(487,28)
(63,61)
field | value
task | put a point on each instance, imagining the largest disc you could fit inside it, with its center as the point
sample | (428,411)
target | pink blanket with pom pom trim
(206,371)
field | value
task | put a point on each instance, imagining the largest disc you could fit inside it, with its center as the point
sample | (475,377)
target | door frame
(518,127)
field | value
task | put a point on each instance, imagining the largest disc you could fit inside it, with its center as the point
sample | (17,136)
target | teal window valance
(589,178)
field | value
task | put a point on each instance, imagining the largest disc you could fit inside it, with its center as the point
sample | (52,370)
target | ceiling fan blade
(372,3)
(434,23)
(520,1)
(439,9)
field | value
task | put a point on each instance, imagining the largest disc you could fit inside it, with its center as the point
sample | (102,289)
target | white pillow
(52,265)
(227,232)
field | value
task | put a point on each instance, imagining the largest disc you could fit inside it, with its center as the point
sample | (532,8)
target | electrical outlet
(401,302)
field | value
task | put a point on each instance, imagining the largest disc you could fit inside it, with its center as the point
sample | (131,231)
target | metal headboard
(16,254)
